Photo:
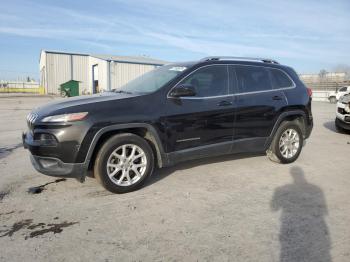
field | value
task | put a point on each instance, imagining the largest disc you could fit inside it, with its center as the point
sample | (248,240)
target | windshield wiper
(121,91)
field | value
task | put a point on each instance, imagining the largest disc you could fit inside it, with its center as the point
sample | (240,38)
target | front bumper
(342,124)
(52,166)
(342,116)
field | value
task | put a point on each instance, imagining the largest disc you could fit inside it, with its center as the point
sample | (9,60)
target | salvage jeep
(177,112)
(342,120)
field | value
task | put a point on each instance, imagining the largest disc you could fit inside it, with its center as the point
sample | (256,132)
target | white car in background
(334,96)
(342,120)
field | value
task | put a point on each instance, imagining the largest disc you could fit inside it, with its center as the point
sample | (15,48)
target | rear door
(257,104)
(205,119)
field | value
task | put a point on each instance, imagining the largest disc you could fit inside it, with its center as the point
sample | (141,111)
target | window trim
(237,94)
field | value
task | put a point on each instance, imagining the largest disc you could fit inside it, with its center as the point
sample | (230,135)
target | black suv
(177,112)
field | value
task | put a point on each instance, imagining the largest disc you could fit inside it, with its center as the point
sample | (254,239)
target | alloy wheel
(289,143)
(126,165)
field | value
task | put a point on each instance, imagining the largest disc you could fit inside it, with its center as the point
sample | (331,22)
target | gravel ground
(232,208)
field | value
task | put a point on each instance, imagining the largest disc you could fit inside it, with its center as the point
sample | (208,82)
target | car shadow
(330,125)
(161,173)
(304,235)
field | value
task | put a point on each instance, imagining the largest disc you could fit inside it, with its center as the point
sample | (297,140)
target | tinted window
(209,81)
(252,79)
(343,89)
(280,79)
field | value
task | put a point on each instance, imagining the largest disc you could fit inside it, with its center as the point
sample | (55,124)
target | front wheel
(123,163)
(287,143)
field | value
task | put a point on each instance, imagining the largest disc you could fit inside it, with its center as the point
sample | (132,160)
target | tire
(112,159)
(64,94)
(275,152)
(333,100)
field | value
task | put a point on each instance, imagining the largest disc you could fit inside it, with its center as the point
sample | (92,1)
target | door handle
(225,103)
(276,98)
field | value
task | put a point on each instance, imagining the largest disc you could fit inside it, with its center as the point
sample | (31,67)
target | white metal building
(94,72)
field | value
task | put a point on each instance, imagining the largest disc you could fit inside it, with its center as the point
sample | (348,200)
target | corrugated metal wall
(58,67)
(121,73)
(59,70)
(42,69)
(81,72)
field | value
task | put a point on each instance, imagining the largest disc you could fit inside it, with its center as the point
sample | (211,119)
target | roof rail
(216,58)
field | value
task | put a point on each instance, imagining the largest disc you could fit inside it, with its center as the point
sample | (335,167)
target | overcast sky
(307,35)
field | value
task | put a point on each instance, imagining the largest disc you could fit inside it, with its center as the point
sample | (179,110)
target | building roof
(131,59)
(124,59)
(63,52)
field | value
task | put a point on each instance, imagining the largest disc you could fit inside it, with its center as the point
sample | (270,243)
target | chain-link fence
(21,87)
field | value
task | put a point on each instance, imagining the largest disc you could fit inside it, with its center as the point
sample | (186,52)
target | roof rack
(237,58)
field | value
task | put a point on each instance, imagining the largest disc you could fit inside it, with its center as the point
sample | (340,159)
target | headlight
(347,108)
(65,117)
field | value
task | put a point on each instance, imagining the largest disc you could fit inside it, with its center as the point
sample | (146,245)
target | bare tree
(322,73)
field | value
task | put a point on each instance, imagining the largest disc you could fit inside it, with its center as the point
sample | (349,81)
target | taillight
(309,91)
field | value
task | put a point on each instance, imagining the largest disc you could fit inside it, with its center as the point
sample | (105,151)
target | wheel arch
(143,130)
(299,116)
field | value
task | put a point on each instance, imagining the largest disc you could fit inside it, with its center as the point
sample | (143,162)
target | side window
(209,81)
(280,79)
(252,79)
(343,89)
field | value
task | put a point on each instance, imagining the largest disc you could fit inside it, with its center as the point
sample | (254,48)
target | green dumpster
(70,88)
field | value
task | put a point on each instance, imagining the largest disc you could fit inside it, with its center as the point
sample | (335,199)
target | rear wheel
(287,143)
(123,163)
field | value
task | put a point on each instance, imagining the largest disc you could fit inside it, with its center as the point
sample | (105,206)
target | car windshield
(152,80)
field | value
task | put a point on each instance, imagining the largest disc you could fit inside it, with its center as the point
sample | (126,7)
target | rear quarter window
(280,79)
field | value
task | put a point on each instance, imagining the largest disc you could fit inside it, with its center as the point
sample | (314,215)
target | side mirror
(183,90)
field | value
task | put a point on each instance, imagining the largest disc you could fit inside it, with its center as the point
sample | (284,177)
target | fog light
(45,139)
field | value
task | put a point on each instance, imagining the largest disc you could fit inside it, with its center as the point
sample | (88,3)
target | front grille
(31,120)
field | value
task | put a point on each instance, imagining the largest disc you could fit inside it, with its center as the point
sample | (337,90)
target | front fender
(161,156)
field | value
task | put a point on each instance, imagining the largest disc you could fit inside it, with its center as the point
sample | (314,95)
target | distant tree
(322,73)
(28,79)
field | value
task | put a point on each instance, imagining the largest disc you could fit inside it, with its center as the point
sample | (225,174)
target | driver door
(206,119)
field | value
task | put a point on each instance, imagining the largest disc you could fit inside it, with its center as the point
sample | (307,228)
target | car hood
(64,105)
